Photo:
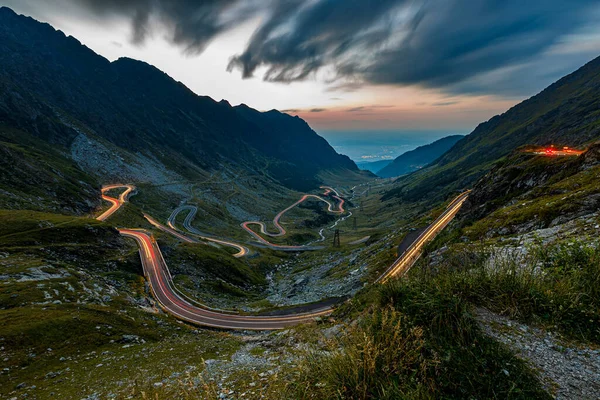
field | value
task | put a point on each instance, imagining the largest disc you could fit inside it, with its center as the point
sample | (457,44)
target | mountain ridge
(57,89)
(565,113)
(418,158)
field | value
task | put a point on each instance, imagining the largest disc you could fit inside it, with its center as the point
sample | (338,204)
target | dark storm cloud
(301,37)
(450,44)
(452,41)
(436,43)
(191,24)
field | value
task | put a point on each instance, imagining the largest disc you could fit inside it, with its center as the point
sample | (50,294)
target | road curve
(414,251)
(281,230)
(187,224)
(161,282)
(175,303)
(169,230)
(115,203)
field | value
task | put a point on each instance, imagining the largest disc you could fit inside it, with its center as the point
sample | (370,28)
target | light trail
(172,302)
(187,224)
(175,303)
(412,254)
(115,203)
(169,230)
(552,151)
(281,230)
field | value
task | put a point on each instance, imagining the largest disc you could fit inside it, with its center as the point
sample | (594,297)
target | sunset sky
(390,65)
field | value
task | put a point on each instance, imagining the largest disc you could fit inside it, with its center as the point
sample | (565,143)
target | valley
(156,243)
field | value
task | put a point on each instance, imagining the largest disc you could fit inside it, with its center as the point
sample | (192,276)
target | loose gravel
(568,371)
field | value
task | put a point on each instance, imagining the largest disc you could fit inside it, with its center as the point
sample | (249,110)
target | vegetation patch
(554,285)
(415,342)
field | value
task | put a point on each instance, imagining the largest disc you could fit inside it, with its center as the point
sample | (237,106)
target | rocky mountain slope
(126,120)
(525,192)
(419,157)
(565,113)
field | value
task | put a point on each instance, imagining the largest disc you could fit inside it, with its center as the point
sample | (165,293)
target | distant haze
(376,145)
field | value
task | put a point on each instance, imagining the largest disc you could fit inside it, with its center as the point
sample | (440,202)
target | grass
(129,216)
(23,227)
(556,285)
(37,175)
(559,197)
(414,342)
(63,333)
(213,277)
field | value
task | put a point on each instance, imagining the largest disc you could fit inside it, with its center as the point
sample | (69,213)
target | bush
(417,341)
(555,285)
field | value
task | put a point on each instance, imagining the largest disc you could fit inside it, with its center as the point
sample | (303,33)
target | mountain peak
(6,11)
(140,109)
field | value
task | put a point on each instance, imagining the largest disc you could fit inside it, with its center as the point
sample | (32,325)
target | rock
(574,372)
(51,375)
(131,339)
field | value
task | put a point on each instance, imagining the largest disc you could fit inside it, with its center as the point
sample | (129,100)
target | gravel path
(568,371)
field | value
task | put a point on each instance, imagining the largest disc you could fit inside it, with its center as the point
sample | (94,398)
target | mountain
(290,138)
(373,166)
(565,113)
(525,191)
(419,157)
(128,121)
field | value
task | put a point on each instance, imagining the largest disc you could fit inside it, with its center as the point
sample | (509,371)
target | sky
(346,66)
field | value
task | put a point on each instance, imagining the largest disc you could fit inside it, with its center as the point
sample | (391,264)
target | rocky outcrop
(569,184)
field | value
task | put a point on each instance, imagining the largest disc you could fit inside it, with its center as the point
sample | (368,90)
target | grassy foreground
(415,342)
(557,286)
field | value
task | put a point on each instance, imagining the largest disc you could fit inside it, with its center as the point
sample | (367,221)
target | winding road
(115,203)
(177,304)
(187,224)
(170,300)
(281,230)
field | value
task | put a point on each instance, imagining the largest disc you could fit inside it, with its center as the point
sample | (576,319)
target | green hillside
(567,113)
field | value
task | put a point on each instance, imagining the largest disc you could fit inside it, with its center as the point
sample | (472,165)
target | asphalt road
(115,203)
(187,224)
(157,272)
(414,251)
(281,230)
(177,304)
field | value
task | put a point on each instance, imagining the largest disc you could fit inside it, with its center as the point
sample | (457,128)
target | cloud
(444,103)
(317,110)
(367,108)
(441,44)
(460,46)
(190,24)
(300,37)
(356,109)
